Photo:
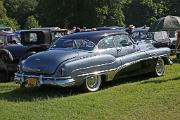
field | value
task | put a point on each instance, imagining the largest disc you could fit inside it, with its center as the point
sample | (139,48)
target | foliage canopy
(89,13)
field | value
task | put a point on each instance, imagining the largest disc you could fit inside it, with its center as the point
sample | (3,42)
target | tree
(2,10)
(87,13)
(4,20)
(9,22)
(20,9)
(110,12)
(31,22)
(173,7)
(140,12)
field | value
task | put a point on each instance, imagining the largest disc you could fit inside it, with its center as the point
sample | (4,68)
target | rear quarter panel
(98,64)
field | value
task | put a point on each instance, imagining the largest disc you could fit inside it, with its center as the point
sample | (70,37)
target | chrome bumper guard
(42,80)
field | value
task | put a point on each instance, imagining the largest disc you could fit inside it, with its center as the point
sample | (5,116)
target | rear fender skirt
(103,69)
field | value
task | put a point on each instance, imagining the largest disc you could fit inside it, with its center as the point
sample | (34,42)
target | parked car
(158,39)
(55,31)
(7,39)
(90,58)
(32,41)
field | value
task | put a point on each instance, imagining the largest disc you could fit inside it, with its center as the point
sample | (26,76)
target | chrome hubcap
(159,67)
(93,83)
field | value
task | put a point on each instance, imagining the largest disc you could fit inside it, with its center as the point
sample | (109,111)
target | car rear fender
(90,66)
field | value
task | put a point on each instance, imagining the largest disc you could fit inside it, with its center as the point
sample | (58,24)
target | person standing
(77,30)
(178,44)
(130,29)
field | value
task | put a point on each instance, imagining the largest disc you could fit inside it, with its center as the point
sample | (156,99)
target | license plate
(32,81)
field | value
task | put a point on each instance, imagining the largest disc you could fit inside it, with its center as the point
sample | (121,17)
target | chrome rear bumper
(42,80)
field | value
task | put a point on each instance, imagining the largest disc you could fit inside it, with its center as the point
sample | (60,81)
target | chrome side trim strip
(118,68)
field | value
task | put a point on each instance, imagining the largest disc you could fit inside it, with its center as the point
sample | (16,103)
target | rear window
(74,44)
(32,37)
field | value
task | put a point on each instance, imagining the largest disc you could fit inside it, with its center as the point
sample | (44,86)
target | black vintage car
(32,41)
(90,58)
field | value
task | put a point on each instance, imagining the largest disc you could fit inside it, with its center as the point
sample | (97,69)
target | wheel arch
(8,53)
(167,61)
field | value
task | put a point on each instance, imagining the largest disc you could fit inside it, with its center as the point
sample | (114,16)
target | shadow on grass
(160,81)
(126,80)
(41,93)
(175,60)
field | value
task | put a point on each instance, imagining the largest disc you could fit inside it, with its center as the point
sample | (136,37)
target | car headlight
(62,72)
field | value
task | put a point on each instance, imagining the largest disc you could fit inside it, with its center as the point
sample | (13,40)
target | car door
(129,55)
(106,46)
(124,45)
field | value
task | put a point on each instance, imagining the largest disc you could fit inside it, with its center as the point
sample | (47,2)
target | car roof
(22,31)
(5,33)
(93,36)
(110,28)
(52,29)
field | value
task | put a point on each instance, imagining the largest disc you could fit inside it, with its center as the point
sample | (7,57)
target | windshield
(139,35)
(74,44)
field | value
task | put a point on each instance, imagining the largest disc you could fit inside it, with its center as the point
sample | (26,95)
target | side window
(106,43)
(157,36)
(29,38)
(165,35)
(122,40)
(135,35)
(84,44)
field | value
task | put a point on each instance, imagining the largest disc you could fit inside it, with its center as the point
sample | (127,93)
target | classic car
(90,58)
(6,39)
(158,39)
(31,41)
(55,31)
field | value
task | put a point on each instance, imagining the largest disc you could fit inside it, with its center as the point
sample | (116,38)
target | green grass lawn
(137,98)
